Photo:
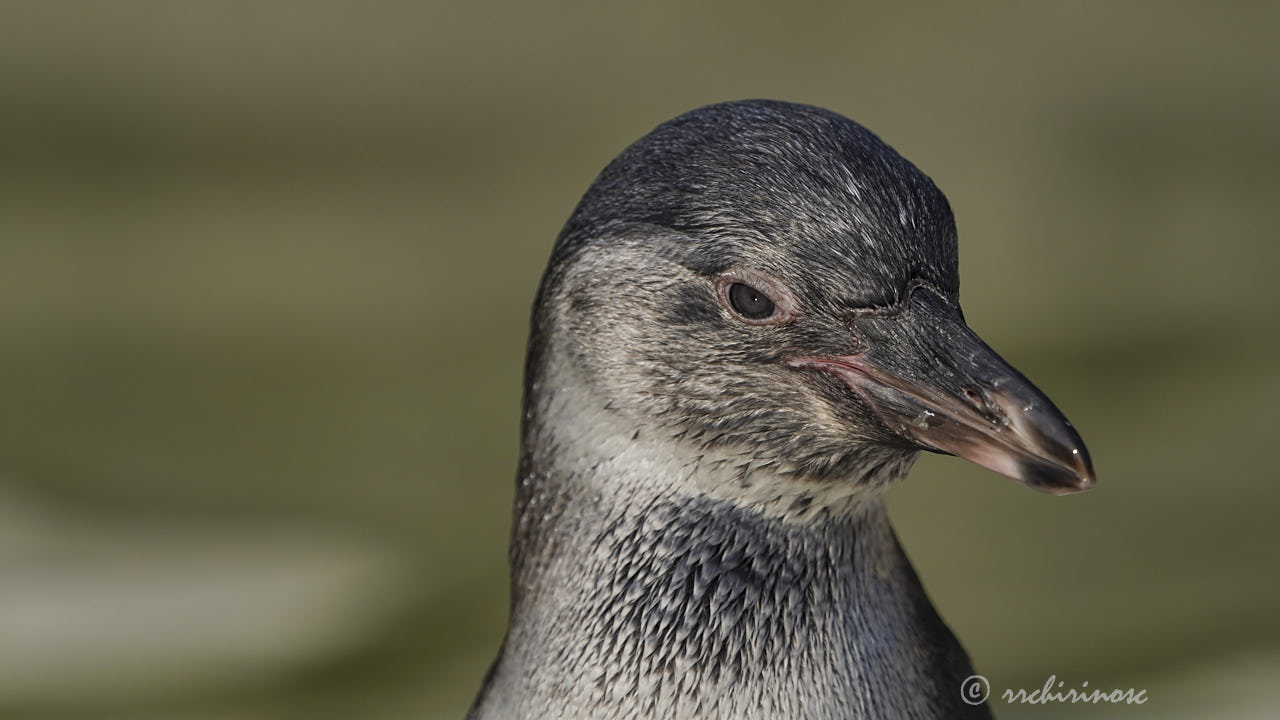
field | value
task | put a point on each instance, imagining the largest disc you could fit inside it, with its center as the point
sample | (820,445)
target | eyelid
(785,306)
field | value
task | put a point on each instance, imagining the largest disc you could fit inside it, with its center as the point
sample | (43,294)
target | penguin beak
(936,384)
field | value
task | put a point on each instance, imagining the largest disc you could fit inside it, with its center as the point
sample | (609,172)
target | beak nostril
(985,406)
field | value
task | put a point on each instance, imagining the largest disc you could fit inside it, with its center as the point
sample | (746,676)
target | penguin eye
(739,290)
(750,302)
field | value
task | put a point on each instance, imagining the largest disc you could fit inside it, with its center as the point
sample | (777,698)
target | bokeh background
(266,268)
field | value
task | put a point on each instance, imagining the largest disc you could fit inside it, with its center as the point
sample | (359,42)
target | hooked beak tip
(1059,485)
(1062,475)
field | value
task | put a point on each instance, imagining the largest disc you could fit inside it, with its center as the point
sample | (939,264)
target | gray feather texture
(699,529)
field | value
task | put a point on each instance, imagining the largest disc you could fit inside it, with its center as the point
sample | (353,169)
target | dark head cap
(759,177)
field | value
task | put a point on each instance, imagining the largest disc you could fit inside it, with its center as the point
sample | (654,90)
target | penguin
(748,330)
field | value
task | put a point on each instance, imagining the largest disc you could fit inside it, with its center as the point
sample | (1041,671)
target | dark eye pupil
(750,302)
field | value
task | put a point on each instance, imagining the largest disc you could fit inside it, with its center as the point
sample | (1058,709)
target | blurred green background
(266,268)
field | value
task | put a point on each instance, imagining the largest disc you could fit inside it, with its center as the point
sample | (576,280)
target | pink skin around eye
(786,307)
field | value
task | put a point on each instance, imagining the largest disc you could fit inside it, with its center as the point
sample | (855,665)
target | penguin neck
(649,575)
